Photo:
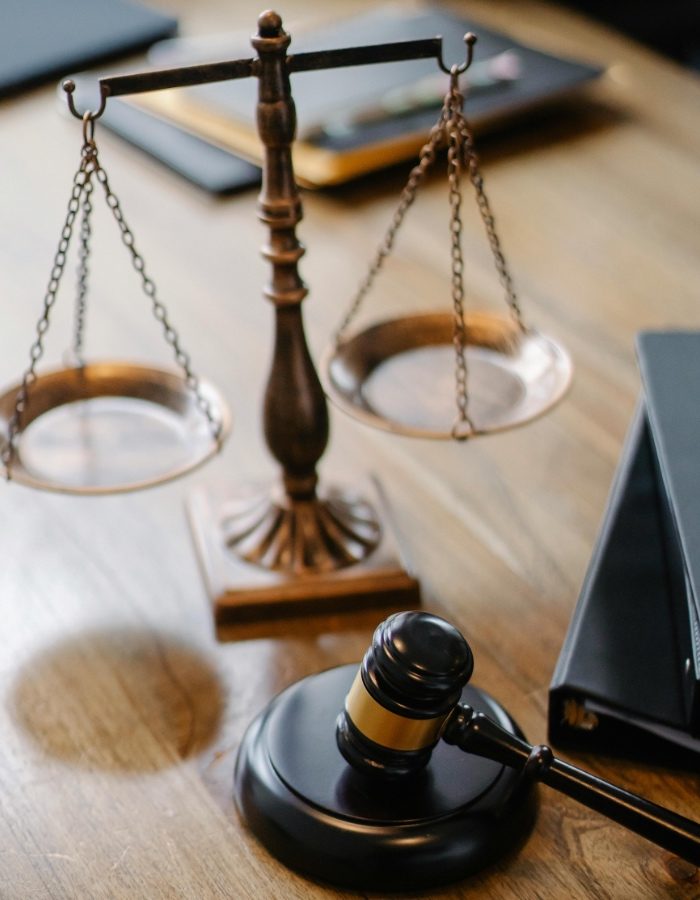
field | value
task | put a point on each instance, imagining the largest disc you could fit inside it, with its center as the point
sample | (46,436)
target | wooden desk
(121,712)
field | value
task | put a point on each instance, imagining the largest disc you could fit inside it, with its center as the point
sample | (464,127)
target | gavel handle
(474,732)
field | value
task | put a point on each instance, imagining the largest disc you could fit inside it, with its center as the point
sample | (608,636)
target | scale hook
(69,87)
(469,40)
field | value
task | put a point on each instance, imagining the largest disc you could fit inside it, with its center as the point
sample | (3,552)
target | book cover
(617,684)
(351,121)
(669,364)
(204,164)
(42,40)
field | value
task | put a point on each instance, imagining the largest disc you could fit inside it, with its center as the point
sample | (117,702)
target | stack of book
(628,677)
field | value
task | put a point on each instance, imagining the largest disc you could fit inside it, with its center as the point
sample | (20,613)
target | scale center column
(298,545)
(295,414)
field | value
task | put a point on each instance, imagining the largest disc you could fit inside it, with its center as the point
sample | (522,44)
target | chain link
(463,426)
(471,162)
(83,268)
(408,195)
(452,130)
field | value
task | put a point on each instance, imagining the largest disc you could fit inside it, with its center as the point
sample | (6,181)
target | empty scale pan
(399,374)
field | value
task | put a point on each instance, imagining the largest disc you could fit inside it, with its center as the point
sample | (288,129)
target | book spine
(682,602)
(567,713)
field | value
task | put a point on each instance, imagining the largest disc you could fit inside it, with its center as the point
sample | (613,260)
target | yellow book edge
(313,166)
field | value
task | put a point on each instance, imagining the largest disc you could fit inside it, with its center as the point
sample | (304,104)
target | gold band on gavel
(386,728)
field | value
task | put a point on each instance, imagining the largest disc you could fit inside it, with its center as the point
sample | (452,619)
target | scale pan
(110,427)
(399,375)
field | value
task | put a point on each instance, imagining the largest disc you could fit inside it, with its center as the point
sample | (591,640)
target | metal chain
(463,426)
(159,311)
(408,195)
(471,162)
(37,349)
(83,269)
(453,129)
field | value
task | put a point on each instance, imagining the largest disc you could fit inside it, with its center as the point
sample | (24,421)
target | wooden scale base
(245,584)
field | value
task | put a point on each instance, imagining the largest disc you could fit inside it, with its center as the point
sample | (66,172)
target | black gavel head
(408,684)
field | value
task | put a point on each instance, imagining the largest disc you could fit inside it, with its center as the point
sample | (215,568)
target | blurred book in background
(45,39)
(353,121)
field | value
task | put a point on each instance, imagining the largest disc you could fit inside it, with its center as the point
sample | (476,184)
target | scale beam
(229,70)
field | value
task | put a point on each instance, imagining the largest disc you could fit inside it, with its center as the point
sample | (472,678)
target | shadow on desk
(125,700)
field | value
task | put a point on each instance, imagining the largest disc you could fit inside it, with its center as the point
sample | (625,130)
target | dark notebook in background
(41,40)
(202,163)
(625,681)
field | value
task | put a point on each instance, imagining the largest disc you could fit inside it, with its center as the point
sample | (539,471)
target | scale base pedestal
(321,817)
(243,591)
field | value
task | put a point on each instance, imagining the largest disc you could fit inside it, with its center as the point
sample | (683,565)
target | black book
(356,120)
(204,164)
(623,683)
(350,120)
(41,40)
(669,362)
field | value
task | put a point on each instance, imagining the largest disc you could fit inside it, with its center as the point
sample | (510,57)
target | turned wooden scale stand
(301,545)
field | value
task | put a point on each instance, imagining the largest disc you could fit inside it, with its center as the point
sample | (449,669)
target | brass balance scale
(110,426)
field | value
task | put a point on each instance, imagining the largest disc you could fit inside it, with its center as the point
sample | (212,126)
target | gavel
(405,698)
(401,775)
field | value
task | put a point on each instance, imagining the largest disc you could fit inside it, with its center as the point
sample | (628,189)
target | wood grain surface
(121,709)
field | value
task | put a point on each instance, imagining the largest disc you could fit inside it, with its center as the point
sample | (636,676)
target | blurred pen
(496,71)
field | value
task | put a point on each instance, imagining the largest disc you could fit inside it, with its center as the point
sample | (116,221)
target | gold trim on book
(313,166)
(386,728)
